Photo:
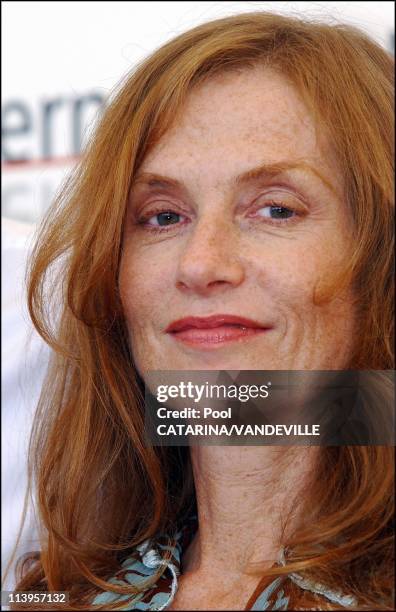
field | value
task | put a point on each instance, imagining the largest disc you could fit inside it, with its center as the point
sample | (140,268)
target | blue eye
(164,218)
(275,212)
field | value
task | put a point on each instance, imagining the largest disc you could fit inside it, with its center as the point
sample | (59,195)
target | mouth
(215,330)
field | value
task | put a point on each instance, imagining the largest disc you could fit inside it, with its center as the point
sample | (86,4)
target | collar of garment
(166,553)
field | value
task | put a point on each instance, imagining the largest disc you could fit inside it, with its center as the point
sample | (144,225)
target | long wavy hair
(99,490)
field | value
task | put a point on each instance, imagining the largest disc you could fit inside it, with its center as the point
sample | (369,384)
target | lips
(214,330)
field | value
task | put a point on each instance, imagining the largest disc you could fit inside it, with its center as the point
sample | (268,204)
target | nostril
(202,274)
(217,283)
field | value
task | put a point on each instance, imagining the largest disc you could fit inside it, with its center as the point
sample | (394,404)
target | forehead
(237,120)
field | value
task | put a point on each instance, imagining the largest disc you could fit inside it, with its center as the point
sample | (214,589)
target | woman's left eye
(273,211)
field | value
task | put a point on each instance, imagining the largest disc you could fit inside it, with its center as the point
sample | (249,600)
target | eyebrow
(262,172)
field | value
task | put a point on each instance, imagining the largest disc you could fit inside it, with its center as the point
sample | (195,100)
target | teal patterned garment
(149,556)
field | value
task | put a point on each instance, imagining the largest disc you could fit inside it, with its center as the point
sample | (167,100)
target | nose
(210,262)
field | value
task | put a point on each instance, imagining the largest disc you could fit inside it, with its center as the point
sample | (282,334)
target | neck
(245,497)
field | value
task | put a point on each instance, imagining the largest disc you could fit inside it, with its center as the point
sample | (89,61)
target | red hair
(100,491)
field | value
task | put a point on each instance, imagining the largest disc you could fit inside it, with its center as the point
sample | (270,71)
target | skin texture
(226,255)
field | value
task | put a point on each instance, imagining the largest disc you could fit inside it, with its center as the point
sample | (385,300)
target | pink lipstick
(215,330)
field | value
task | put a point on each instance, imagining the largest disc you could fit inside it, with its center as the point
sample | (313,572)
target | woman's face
(238,212)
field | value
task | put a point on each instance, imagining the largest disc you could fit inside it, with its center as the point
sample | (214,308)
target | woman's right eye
(164,219)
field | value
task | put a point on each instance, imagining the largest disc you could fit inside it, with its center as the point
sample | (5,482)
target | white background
(61,46)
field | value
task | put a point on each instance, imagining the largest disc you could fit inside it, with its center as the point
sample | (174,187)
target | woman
(243,170)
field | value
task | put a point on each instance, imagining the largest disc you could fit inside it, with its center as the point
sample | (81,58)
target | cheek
(311,333)
(289,274)
(142,280)
(145,287)
(298,280)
